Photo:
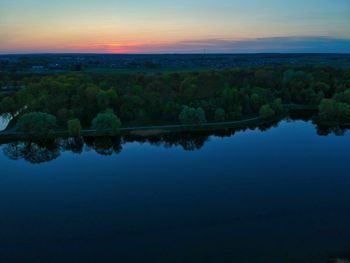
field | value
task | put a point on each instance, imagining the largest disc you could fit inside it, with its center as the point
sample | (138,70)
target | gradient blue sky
(164,26)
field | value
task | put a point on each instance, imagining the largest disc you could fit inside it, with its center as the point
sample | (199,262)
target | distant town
(42,63)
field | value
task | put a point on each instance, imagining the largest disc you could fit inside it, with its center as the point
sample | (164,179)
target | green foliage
(7,105)
(38,124)
(220,114)
(62,115)
(230,99)
(343,96)
(195,116)
(297,82)
(106,123)
(256,102)
(234,115)
(321,86)
(266,112)
(277,107)
(171,111)
(332,111)
(188,86)
(131,106)
(106,99)
(74,127)
(141,99)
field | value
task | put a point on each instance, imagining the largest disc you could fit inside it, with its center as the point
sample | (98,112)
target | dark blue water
(282,195)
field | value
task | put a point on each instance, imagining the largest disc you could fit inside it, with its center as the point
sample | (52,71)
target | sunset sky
(176,26)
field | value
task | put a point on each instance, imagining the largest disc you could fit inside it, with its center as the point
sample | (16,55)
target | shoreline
(152,130)
(143,131)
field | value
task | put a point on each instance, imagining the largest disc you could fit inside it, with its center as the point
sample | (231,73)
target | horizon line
(176,53)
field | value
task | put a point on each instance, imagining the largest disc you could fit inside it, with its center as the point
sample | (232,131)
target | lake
(278,195)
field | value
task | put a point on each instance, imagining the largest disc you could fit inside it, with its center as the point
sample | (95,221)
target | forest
(76,101)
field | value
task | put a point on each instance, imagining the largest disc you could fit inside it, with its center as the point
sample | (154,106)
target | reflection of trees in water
(48,150)
(326,130)
(266,127)
(74,145)
(105,145)
(188,141)
(191,144)
(33,152)
(193,140)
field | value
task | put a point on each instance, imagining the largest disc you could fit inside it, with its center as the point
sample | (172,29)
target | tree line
(76,101)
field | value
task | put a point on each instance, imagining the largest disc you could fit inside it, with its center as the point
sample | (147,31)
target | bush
(277,107)
(36,123)
(106,122)
(266,112)
(193,116)
(74,127)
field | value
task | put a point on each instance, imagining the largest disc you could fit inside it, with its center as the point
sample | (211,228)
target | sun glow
(164,26)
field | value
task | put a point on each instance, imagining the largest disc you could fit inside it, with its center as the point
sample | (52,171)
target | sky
(174,26)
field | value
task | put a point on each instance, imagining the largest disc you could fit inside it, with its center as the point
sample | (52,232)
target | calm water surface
(282,195)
